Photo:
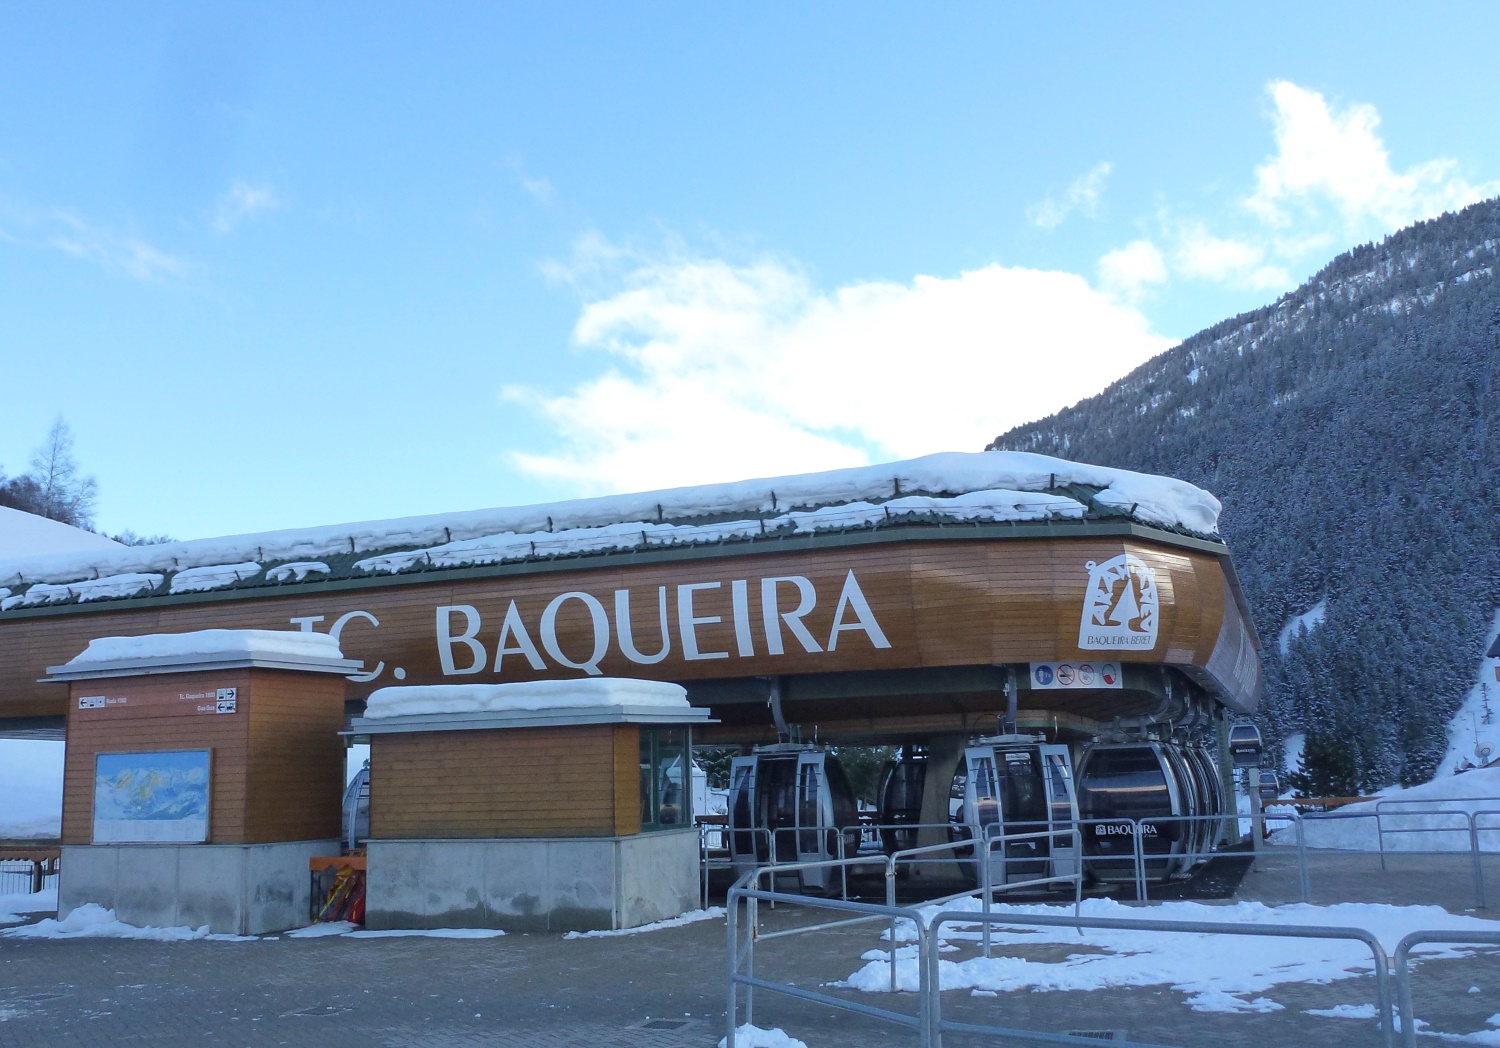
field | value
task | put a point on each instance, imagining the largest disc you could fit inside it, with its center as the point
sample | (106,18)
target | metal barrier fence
(928,1021)
(1470,824)
(1399,962)
(27,876)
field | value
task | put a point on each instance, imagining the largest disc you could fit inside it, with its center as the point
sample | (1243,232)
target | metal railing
(929,957)
(1471,824)
(928,1021)
(27,876)
(1400,963)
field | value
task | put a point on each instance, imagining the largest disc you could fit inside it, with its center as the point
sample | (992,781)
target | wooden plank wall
(153,718)
(277,761)
(516,782)
(296,756)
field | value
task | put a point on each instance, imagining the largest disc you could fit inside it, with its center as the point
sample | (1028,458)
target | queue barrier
(742,932)
(1400,962)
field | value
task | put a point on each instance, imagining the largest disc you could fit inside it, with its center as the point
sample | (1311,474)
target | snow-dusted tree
(61,492)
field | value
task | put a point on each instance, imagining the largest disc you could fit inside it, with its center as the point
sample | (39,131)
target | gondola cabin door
(814,819)
(747,844)
(1013,790)
(1062,809)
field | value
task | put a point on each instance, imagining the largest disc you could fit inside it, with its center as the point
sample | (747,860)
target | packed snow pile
(31,786)
(92,921)
(1216,972)
(713,913)
(523,696)
(1356,827)
(751,1036)
(205,646)
(28,535)
(999,486)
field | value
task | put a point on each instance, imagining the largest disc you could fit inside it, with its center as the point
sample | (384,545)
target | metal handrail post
(1478,863)
(1139,854)
(1401,960)
(1302,874)
(732,993)
(1479,860)
(890,900)
(1380,835)
(987,881)
(930,987)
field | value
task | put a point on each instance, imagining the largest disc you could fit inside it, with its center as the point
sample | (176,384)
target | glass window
(666,778)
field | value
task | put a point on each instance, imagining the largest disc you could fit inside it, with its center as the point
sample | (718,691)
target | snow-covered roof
(24,535)
(983,487)
(593,700)
(177,652)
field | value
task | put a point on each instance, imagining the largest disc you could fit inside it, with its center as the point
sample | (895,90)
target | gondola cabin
(1015,784)
(791,803)
(901,800)
(1156,789)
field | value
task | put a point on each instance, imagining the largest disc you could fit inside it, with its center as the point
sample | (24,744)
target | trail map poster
(151,798)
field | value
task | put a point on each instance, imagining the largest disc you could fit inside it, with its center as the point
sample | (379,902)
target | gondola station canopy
(874,602)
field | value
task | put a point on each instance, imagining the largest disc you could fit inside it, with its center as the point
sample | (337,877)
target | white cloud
(721,370)
(538,187)
(1339,158)
(68,232)
(1082,196)
(1128,271)
(243,201)
(1329,183)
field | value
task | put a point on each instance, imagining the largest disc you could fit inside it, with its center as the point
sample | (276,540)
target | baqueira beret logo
(1121,608)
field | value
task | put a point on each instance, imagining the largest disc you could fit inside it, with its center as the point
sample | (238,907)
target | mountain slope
(1352,430)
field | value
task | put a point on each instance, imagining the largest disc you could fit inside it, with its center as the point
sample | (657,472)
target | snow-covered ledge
(206,650)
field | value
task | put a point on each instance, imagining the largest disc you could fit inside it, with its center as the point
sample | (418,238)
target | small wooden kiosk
(203,770)
(532,806)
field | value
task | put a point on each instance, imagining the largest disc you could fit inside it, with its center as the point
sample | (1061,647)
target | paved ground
(615,992)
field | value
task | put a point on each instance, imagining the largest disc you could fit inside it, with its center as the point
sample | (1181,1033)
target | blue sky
(286,265)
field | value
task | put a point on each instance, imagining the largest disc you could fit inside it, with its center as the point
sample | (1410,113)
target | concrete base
(532,884)
(235,889)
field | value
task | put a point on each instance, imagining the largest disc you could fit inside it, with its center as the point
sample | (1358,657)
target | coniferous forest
(1352,430)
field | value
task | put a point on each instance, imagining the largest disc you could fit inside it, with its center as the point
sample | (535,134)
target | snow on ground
(31,781)
(748,1036)
(13,906)
(1354,827)
(26,534)
(1216,972)
(1292,748)
(427,699)
(1299,626)
(348,930)
(713,913)
(1011,483)
(1477,722)
(93,921)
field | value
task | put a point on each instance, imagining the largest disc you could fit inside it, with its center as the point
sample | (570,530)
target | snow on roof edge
(528,696)
(205,646)
(1145,497)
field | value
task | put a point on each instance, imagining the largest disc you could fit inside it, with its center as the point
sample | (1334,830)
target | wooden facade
(940,598)
(276,761)
(512,782)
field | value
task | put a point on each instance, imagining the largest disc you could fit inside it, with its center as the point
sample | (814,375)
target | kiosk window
(666,778)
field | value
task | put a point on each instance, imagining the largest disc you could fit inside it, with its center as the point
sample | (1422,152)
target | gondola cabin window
(666,778)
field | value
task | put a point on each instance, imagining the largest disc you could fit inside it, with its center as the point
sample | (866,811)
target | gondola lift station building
(908,602)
